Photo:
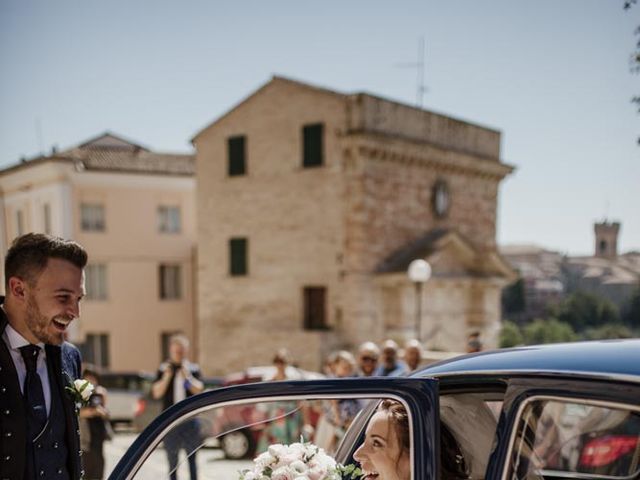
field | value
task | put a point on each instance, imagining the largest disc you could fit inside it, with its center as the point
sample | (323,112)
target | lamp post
(419,272)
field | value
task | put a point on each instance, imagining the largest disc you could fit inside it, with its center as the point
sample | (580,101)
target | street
(211,464)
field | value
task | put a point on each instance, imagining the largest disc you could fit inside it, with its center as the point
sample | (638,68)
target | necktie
(33,393)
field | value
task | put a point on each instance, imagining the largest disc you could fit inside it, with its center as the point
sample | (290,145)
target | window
(46,214)
(237,164)
(315,308)
(168,219)
(170,282)
(564,438)
(312,139)
(96,282)
(238,256)
(92,217)
(20,223)
(96,350)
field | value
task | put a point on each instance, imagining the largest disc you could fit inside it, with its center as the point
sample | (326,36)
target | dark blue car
(543,412)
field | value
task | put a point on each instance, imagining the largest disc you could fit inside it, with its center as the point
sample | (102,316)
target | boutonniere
(80,391)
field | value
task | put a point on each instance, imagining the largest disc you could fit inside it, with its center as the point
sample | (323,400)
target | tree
(631,312)
(635,56)
(513,297)
(510,335)
(584,310)
(606,332)
(548,331)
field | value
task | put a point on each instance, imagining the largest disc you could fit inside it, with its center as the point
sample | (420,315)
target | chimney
(607,239)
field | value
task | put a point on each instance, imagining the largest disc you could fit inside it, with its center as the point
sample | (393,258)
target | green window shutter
(238,264)
(237,156)
(312,150)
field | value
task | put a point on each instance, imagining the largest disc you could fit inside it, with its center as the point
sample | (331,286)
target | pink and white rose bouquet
(298,461)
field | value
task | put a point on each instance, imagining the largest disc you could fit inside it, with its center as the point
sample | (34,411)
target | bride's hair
(400,420)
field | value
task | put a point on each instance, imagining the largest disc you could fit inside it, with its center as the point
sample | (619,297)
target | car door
(571,427)
(297,401)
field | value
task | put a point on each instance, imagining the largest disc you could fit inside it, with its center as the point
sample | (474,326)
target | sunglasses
(369,359)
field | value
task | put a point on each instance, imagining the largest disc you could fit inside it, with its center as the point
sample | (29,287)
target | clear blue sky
(552,75)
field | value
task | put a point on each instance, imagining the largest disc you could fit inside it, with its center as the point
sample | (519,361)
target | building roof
(374,100)
(477,262)
(111,153)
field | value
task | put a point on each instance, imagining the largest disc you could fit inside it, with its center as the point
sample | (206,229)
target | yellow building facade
(133,210)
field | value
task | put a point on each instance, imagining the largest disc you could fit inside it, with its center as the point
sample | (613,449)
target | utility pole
(421,88)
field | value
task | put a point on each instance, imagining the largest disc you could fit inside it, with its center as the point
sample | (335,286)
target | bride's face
(381,456)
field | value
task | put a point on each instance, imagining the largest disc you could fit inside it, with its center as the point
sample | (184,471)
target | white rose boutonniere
(80,391)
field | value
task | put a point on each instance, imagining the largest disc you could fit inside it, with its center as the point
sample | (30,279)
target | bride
(384,455)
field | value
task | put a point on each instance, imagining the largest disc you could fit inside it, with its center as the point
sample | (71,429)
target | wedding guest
(413,354)
(385,452)
(337,415)
(285,425)
(44,283)
(368,354)
(176,380)
(94,428)
(391,365)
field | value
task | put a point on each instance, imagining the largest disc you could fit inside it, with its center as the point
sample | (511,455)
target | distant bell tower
(607,239)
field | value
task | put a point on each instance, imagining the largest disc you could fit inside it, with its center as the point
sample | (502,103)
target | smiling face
(52,302)
(382,456)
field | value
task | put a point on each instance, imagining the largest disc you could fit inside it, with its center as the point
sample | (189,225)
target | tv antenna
(421,88)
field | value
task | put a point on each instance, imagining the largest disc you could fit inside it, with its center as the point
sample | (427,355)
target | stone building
(548,276)
(311,204)
(133,210)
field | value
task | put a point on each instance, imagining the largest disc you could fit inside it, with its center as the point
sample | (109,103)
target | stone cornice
(410,152)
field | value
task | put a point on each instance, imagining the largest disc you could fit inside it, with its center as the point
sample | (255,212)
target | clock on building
(440,198)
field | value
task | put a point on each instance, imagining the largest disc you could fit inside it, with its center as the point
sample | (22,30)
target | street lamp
(419,272)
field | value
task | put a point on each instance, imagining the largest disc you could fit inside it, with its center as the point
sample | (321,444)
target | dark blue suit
(64,365)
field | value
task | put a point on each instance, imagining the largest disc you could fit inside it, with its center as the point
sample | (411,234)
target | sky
(552,75)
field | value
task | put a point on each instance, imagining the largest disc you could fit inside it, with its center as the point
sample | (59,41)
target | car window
(559,438)
(240,433)
(468,425)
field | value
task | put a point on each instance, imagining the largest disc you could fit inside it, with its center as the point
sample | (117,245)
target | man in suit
(44,283)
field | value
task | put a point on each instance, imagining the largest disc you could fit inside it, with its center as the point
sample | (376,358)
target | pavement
(211,462)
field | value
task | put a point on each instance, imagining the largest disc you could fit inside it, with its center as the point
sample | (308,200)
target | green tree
(548,331)
(631,312)
(584,310)
(510,335)
(513,297)
(635,56)
(606,332)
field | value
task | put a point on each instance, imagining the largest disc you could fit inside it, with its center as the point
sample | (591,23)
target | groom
(44,283)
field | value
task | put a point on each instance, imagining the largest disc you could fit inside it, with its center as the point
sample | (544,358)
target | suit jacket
(13,428)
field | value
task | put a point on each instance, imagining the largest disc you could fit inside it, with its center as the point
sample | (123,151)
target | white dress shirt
(14,341)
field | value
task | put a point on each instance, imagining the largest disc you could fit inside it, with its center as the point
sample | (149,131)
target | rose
(84,388)
(283,473)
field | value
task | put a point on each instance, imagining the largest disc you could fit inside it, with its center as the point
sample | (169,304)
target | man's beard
(38,324)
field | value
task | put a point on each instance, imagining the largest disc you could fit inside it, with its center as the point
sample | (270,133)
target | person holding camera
(178,379)
(94,428)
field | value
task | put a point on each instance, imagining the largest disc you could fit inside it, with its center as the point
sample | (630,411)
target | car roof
(606,357)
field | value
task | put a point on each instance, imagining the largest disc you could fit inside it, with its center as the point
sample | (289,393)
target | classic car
(542,412)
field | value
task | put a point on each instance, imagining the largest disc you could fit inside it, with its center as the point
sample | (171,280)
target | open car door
(241,422)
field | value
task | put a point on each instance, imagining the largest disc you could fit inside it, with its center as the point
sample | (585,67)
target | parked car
(541,412)
(238,428)
(124,390)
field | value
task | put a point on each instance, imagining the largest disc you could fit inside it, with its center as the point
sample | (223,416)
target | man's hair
(28,256)
(179,338)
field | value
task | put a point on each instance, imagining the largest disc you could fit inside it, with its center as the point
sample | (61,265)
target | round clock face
(440,198)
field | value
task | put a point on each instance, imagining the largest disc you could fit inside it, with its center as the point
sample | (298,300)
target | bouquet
(298,461)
